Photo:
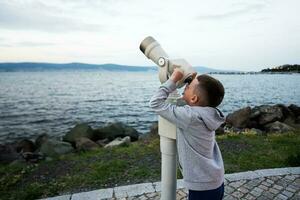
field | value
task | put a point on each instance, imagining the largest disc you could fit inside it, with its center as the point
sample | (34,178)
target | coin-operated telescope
(152,49)
(167,131)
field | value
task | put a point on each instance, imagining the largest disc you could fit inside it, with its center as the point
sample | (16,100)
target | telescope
(152,50)
(167,130)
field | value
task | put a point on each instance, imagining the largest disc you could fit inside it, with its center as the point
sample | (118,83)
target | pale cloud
(246,9)
(233,34)
(41,17)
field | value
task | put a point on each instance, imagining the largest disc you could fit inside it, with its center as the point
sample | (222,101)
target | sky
(222,34)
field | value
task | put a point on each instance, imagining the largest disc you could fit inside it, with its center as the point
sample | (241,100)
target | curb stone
(133,190)
(139,189)
(63,197)
(95,194)
(241,176)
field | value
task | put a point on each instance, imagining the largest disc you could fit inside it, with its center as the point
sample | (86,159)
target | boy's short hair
(213,88)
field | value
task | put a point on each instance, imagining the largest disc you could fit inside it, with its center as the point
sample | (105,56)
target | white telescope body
(152,49)
(167,130)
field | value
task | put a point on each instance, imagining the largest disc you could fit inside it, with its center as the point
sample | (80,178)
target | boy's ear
(195,99)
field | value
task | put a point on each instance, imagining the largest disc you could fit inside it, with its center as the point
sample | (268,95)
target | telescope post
(167,132)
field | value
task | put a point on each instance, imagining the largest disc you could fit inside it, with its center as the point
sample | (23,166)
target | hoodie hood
(213,118)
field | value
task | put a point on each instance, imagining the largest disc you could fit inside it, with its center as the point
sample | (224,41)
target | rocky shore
(262,120)
(80,138)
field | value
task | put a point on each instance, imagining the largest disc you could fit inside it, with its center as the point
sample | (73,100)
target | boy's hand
(177,74)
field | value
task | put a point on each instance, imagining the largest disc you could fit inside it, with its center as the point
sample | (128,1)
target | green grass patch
(139,162)
(251,152)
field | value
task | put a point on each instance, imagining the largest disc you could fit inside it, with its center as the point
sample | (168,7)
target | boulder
(153,132)
(297,121)
(266,114)
(33,157)
(114,130)
(54,148)
(41,139)
(80,130)
(220,131)
(103,142)
(8,153)
(25,145)
(286,112)
(295,109)
(278,127)
(292,122)
(145,136)
(239,118)
(118,142)
(85,144)
(227,129)
(255,113)
(154,129)
(256,131)
(253,124)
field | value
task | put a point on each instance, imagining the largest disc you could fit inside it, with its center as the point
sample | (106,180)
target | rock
(295,109)
(103,142)
(239,118)
(118,142)
(8,153)
(255,112)
(145,136)
(297,121)
(266,114)
(25,145)
(227,129)
(286,112)
(32,157)
(220,131)
(278,127)
(256,131)
(154,129)
(80,130)
(41,139)
(153,132)
(85,144)
(54,148)
(17,162)
(115,130)
(237,130)
(253,124)
(292,122)
(48,159)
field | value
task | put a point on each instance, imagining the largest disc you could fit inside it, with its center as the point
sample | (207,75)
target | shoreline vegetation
(266,136)
(282,69)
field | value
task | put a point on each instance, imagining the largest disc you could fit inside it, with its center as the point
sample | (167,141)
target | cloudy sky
(229,34)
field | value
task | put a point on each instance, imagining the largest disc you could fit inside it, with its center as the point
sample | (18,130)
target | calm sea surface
(32,103)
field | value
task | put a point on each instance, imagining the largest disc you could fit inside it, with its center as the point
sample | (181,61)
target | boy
(196,122)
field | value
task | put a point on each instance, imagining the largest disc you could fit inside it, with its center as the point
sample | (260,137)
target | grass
(137,163)
(251,152)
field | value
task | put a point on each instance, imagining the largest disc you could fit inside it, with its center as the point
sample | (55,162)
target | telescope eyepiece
(188,80)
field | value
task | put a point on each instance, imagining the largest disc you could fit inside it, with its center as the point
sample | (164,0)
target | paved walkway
(279,183)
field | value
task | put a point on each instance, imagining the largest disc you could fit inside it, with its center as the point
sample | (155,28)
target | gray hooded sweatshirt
(199,155)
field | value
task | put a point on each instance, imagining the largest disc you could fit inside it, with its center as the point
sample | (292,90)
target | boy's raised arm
(181,116)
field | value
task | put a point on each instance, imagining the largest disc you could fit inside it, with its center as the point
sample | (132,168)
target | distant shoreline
(110,67)
(35,66)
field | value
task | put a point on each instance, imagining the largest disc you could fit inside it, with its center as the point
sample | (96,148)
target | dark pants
(215,194)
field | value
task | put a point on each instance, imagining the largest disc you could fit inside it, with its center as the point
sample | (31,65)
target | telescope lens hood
(148,40)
